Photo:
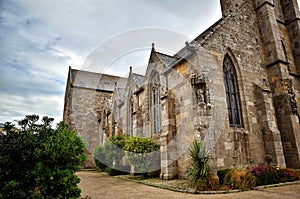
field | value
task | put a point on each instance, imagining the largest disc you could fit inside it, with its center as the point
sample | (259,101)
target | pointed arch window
(232,93)
(155,98)
(130,116)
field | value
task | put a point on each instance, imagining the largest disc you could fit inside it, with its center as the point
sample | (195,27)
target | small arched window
(232,93)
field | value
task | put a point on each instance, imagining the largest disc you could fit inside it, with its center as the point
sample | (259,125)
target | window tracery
(232,93)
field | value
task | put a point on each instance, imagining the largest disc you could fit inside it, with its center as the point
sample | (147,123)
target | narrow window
(285,55)
(284,51)
(232,93)
(130,116)
(155,98)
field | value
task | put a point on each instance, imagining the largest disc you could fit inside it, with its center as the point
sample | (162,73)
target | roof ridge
(85,71)
(138,74)
(165,54)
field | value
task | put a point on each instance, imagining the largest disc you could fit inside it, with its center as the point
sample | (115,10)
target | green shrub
(199,170)
(118,140)
(99,158)
(239,179)
(221,174)
(108,157)
(37,161)
(141,152)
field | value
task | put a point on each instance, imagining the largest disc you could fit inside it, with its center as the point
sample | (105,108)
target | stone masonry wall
(238,36)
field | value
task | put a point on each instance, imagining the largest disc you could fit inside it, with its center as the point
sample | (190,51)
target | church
(235,87)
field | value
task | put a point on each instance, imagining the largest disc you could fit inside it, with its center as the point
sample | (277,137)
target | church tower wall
(280,59)
(228,6)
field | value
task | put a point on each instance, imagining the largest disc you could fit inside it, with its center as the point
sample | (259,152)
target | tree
(37,161)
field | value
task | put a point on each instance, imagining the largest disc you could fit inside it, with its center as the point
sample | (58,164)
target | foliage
(272,175)
(118,140)
(221,174)
(108,156)
(199,170)
(268,159)
(100,158)
(37,161)
(141,152)
(239,179)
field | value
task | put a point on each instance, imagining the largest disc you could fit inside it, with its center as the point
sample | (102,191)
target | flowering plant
(272,175)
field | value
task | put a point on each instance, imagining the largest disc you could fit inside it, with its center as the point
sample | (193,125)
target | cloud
(15,106)
(40,39)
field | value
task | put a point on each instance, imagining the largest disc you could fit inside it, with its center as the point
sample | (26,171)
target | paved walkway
(100,186)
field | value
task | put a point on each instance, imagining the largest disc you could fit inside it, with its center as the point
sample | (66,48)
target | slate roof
(166,59)
(91,80)
(121,92)
(138,79)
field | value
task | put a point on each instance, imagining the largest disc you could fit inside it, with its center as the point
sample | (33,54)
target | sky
(40,39)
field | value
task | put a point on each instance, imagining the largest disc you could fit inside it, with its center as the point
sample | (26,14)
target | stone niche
(199,83)
(202,104)
(288,84)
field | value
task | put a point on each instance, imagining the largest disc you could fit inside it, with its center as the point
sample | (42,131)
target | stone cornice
(93,89)
(279,61)
(263,4)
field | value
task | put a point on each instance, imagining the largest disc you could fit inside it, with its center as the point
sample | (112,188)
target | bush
(221,174)
(199,170)
(141,153)
(239,179)
(37,161)
(108,157)
(272,175)
(99,157)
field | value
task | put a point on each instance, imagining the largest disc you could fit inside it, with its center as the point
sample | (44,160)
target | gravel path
(100,186)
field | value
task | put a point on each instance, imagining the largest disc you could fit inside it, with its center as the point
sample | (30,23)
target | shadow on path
(101,186)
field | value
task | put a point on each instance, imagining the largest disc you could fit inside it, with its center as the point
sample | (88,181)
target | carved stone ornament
(288,83)
(198,79)
(199,82)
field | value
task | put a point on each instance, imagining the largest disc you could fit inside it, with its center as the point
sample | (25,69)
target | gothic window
(155,98)
(130,116)
(232,93)
(114,118)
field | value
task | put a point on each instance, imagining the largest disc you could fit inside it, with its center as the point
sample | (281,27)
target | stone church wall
(238,36)
(193,96)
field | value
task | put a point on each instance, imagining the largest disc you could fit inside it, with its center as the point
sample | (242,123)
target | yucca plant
(199,170)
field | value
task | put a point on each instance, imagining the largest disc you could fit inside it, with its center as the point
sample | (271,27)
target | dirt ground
(100,186)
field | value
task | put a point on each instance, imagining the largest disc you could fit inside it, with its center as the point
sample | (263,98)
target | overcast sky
(39,39)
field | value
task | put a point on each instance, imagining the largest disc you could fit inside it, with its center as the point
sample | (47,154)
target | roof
(91,80)
(121,92)
(138,79)
(166,59)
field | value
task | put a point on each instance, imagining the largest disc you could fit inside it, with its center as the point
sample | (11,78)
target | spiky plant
(199,170)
